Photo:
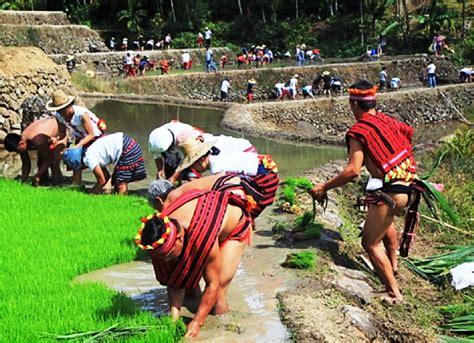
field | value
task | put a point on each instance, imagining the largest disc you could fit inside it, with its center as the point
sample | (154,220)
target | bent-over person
(37,136)
(383,145)
(201,234)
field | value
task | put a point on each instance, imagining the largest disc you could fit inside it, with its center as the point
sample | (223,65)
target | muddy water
(254,314)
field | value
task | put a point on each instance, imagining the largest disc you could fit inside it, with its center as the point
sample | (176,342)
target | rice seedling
(436,268)
(302,260)
(49,236)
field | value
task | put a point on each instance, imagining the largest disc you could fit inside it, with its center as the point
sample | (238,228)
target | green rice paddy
(49,237)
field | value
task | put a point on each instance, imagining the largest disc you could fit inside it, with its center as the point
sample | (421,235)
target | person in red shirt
(383,145)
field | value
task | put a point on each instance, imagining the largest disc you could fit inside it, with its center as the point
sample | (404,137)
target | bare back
(46,126)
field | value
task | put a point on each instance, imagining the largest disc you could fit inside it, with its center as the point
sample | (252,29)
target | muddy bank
(339,300)
(326,120)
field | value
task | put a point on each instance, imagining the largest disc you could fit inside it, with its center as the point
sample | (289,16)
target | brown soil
(17,61)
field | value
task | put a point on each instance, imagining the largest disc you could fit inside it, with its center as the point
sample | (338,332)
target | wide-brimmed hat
(72,158)
(193,148)
(252,81)
(296,76)
(69,58)
(326,72)
(59,101)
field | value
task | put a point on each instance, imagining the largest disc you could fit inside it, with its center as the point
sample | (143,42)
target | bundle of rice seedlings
(302,260)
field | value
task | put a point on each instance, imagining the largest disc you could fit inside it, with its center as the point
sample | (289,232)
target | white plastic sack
(463,275)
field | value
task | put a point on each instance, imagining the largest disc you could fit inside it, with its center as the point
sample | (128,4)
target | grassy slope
(50,236)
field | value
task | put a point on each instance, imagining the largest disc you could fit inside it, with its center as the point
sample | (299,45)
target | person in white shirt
(83,125)
(168,41)
(294,85)
(279,89)
(465,74)
(431,71)
(383,79)
(225,85)
(117,149)
(395,83)
(207,37)
(186,60)
(150,44)
(210,64)
(308,91)
(163,144)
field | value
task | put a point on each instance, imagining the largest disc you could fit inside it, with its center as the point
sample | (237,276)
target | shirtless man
(38,136)
(214,246)
(383,145)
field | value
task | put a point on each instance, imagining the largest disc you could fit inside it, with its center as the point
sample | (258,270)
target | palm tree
(134,15)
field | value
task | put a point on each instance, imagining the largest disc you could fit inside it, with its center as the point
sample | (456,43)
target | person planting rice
(383,145)
(83,125)
(118,149)
(161,193)
(225,154)
(163,144)
(38,136)
(201,234)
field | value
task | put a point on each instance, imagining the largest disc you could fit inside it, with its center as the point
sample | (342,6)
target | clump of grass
(302,260)
(88,84)
(50,236)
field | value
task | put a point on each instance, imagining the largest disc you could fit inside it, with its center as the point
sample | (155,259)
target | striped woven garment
(130,166)
(200,237)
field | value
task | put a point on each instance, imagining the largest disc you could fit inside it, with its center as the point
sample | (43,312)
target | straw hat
(193,148)
(296,76)
(59,101)
(326,72)
(69,58)
(252,81)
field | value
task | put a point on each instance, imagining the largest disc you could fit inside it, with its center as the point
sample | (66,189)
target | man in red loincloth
(201,234)
(383,145)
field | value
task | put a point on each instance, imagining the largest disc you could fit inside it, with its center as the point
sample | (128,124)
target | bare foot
(220,308)
(390,300)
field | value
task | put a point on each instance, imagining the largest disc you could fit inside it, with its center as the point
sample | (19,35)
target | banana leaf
(432,195)
(434,167)
(390,27)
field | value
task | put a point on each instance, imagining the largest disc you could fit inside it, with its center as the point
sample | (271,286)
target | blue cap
(72,158)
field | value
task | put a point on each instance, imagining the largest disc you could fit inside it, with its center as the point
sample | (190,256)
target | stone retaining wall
(111,63)
(53,39)
(18,81)
(207,86)
(33,18)
(326,120)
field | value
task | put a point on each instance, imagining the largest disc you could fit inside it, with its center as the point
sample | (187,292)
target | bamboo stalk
(446,224)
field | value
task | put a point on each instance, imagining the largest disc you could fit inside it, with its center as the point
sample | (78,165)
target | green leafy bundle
(436,268)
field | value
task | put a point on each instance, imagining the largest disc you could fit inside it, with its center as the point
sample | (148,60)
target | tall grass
(49,236)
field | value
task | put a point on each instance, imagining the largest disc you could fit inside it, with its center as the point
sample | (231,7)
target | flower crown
(161,241)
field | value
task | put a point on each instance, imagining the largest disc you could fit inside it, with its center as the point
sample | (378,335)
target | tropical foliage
(341,28)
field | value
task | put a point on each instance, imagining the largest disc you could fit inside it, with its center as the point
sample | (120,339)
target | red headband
(362,94)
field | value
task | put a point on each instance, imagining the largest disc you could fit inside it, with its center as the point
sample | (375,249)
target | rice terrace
(237,171)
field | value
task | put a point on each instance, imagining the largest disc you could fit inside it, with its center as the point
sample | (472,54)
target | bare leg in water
(231,254)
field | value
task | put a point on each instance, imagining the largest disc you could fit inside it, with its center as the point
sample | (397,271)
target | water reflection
(139,119)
